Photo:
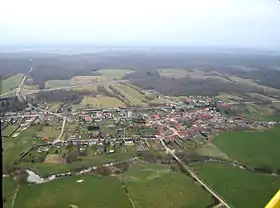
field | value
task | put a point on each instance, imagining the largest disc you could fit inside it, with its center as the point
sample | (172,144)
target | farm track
(15,196)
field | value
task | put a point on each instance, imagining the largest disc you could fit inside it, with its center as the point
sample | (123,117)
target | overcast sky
(210,22)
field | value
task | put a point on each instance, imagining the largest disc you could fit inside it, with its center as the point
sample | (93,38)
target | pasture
(238,187)
(258,149)
(50,132)
(11,83)
(92,191)
(8,189)
(111,74)
(194,74)
(170,73)
(13,147)
(106,75)
(210,150)
(56,83)
(152,185)
(9,129)
(30,87)
(132,95)
(102,102)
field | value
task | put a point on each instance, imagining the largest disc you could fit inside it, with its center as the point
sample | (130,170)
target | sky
(252,23)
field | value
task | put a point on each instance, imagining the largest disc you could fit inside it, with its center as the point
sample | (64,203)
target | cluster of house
(200,122)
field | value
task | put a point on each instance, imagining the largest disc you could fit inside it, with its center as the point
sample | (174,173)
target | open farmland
(151,185)
(243,68)
(194,74)
(111,74)
(170,73)
(11,83)
(54,106)
(9,129)
(258,149)
(56,83)
(93,191)
(106,75)
(229,97)
(8,189)
(50,132)
(258,112)
(131,94)
(102,102)
(13,147)
(77,80)
(210,150)
(252,83)
(239,187)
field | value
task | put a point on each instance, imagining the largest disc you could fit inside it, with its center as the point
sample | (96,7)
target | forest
(65,66)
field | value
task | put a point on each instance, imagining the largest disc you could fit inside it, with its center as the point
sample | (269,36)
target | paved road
(19,88)
(168,150)
(6,93)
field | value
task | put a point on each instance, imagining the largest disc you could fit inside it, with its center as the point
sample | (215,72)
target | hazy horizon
(216,23)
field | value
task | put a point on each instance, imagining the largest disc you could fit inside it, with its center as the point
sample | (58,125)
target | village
(82,136)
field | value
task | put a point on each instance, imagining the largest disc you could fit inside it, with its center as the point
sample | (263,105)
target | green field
(54,106)
(238,187)
(11,83)
(8,188)
(258,149)
(56,83)
(258,112)
(229,97)
(77,80)
(132,95)
(102,102)
(94,191)
(169,73)
(14,146)
(243,68)
(30,87)
(194,74)
(210,150)
(106,75)
(50,132)
(110,74)
(9,129)
(151,185)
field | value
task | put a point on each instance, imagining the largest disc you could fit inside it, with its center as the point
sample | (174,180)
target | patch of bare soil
(55,159)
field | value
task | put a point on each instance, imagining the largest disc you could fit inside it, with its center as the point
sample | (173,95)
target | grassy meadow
(11,83)
(93,191)
(239,188)
(8,189)
(258,149)
(14,146)
(152,185)
(102,102)
(106,75)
